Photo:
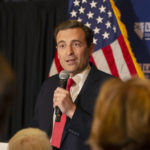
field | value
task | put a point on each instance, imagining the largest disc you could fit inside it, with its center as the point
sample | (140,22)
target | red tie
(59,126)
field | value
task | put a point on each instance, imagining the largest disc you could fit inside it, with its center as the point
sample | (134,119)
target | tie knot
(70,82)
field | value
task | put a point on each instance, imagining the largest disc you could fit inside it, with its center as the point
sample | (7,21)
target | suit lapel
(83,96)
(88,91)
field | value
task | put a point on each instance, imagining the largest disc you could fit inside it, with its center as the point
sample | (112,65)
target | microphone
(63,76)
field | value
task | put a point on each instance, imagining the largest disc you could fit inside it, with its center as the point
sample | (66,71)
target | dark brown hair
(76,24)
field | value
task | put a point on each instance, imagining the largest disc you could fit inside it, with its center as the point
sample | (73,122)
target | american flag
(112,52)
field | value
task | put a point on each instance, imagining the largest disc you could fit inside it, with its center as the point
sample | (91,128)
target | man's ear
(91,49)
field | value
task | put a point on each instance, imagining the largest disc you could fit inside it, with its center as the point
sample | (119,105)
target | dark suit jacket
(77,129)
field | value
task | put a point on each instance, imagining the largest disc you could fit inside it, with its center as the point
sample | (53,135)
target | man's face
(72,50)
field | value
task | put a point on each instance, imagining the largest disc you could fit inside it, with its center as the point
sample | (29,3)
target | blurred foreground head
(122,116)
(7,91)
(29,139)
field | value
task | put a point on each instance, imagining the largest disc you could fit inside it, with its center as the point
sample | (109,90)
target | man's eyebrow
(62,41)
(76,41)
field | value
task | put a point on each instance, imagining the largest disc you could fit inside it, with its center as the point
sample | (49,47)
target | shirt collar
(81,77)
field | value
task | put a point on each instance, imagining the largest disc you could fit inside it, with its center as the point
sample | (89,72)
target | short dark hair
(69,24)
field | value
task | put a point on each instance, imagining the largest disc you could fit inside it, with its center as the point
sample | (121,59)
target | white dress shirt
(79,80)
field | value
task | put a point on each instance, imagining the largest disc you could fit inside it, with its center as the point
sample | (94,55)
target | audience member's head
(7,91)
(122,116)
(29,139)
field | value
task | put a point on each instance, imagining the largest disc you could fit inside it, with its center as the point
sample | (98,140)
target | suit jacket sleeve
(44,106)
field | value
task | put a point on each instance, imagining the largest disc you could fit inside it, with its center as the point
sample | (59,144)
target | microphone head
(64,75)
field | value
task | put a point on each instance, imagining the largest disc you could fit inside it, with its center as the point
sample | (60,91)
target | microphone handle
(58,112)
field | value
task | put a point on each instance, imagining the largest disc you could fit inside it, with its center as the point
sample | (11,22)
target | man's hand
(63,100)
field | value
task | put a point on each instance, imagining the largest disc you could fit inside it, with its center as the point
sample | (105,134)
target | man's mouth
(70,61)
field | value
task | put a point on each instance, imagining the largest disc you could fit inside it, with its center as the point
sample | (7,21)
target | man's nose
(69,49)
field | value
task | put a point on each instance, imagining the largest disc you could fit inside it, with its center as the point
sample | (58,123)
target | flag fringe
(125,35)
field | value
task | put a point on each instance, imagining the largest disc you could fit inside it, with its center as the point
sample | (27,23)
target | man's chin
(71,71)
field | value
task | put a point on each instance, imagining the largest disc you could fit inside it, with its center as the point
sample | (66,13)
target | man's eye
(76,44)
(61,46)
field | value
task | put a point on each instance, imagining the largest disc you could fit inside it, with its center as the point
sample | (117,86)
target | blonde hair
(122,115)
(29,139)
(103,118)
(137,93)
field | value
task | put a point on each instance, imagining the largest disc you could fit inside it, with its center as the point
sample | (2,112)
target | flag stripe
(127,56)
(110,60)
(53,69)
(58,66)
(91,59)
(119,61)
(100,61)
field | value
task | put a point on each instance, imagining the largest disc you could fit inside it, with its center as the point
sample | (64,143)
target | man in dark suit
(74,45)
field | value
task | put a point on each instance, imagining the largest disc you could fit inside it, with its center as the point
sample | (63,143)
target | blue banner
(135,14)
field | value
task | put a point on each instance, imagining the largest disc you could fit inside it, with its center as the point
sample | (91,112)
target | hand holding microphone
(63,76)
(62,98)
